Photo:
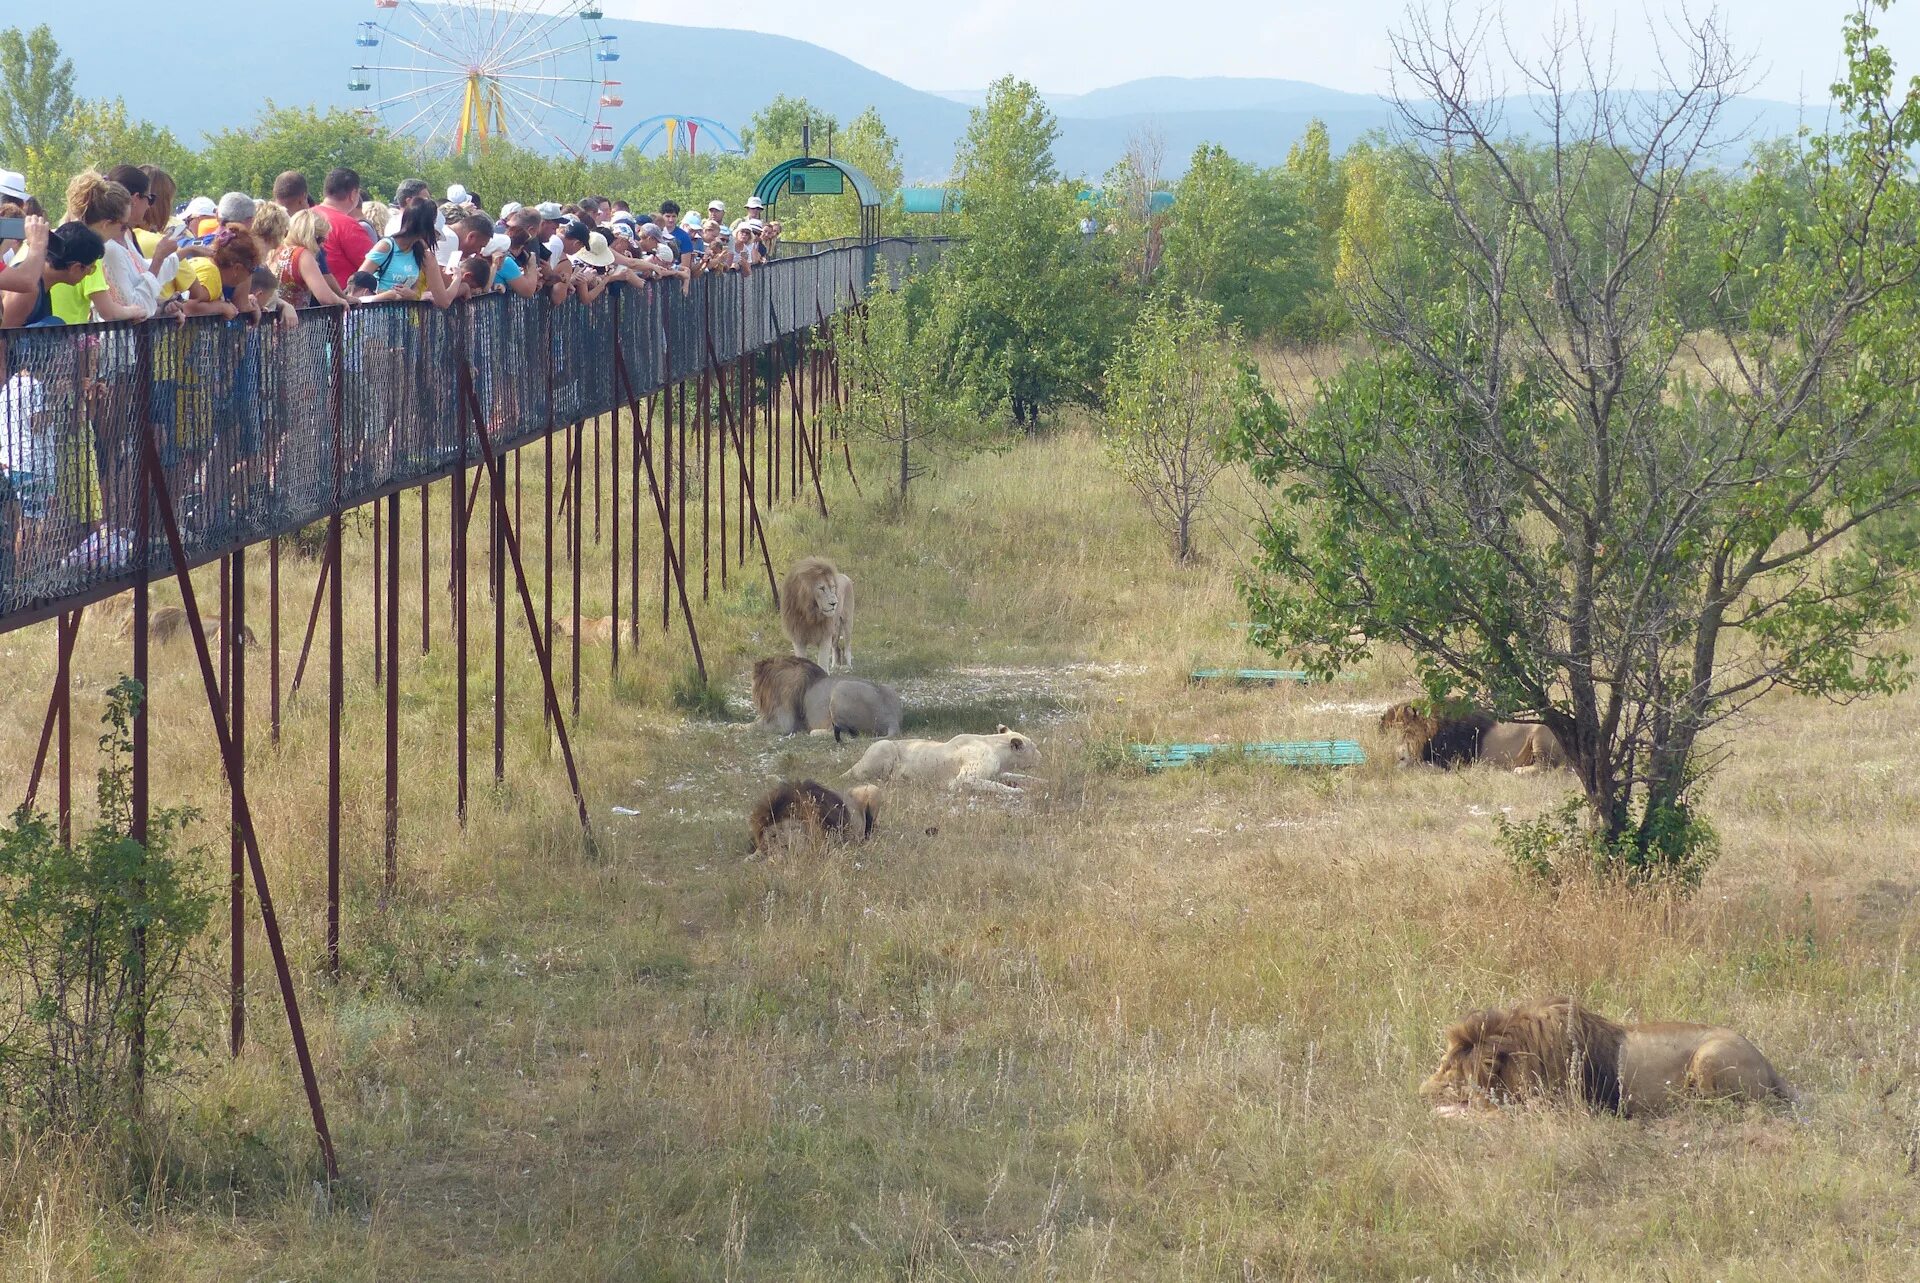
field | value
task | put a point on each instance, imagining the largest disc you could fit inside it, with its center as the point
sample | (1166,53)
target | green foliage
(313,142)
(1030,296)
(1562,845)
(1563,501)
(1244,240)
(1174,391)
(99,944)
(36,98)
(102,135)
(911,387)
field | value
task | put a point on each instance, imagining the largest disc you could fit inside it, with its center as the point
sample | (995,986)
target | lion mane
(780,688)
(1555,1048)
(823,814)
(1448,739)
(816,611)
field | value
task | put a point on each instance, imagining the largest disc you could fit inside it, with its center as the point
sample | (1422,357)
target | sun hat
(754,202)
(13,183)
(596,253)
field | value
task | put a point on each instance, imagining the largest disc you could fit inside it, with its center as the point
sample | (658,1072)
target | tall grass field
(1123,1027)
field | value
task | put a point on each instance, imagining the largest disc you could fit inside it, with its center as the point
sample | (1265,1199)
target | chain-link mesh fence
(261,429)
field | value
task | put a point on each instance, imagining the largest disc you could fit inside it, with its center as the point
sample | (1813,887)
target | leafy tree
(103,135)
(1243,241)
(908,389)
(867,146)
(302,138)
(36,100)
(1174,391)
(1029,294)
(775,132)
(1566,504)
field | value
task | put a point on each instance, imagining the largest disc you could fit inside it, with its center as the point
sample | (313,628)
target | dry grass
(1136,1028)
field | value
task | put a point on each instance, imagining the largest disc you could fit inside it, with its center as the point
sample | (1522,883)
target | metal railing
(264,429)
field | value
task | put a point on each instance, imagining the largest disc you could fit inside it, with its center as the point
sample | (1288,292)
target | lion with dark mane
(816,611)
(1449,739)
(1559,1051)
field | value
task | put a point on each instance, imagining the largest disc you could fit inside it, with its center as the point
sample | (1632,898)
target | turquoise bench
(1157,757)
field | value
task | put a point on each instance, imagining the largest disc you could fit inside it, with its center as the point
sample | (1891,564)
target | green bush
(100,951)
(1673,846)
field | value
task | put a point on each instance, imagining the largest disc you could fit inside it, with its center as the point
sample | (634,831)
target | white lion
(977,762)
(816,610)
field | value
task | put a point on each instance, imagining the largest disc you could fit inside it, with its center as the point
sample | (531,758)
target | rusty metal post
(577,533)
(64,631)
(67,638)
(336,644)
(458,554)
(492,464)
(546,551)
(665,437)
(613,477)
(313,616)
(393,696)
(290,1000)
(499,588)
(676,572)
(596,479)
(375,602)
(426,592)
(139,799)
(749,503)
(273,635)
(236,630)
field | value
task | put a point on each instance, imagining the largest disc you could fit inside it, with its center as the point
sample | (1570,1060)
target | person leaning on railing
(404,262)
(47,258)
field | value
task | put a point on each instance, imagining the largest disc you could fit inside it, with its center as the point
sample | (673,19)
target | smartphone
(13,229)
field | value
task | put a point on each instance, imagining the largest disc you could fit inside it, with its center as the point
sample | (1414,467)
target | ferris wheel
(456,75)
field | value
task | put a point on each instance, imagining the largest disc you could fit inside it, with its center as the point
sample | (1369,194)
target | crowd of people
(127,250)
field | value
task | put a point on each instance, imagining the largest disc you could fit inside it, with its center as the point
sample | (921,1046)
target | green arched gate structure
(822,176)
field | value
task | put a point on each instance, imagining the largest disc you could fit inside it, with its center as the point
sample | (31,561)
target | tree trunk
(906,438)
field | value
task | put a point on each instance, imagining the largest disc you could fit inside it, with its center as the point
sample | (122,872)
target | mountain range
(196,77)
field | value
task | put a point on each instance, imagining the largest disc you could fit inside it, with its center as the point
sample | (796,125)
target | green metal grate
(1156,757)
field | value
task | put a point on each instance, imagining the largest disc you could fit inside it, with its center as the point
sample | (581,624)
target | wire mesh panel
(251,423)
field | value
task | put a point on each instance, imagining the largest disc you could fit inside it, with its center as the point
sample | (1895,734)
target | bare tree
(1623,412)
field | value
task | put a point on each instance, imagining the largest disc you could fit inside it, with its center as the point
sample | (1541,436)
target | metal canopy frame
(776,180)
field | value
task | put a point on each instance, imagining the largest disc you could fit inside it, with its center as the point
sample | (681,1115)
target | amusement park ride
(457,74)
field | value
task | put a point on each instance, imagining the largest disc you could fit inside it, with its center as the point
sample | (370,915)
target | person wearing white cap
(458,195)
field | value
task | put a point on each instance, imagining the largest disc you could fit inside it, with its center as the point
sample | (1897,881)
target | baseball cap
(201,207)
(717,204)
(550,209)
(13,183)
(457,194)
(511,208)
(754,202)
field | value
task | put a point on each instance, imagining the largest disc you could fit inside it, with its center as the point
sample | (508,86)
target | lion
(780,688)
(792,694)
(816,611)
(1559,1051)
(981,763)
(164,623)
(1453,740)
(811,808)
(593,632)
(851,706)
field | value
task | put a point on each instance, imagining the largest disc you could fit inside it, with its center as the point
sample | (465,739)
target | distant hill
(186,77)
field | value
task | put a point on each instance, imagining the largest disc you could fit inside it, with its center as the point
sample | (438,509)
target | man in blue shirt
(670,223)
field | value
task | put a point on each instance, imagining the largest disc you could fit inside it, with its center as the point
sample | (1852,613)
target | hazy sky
(1071,46)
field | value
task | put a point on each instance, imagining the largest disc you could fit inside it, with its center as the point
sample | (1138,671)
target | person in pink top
(348,240)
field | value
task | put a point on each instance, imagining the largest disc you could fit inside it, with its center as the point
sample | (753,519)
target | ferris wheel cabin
(609,50)
(610,94)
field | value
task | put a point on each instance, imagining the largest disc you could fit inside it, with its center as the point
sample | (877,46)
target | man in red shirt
(348,242)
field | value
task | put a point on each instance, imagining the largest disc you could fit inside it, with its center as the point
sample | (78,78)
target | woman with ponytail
(106,210)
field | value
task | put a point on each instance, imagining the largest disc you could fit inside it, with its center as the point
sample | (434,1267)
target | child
(266,297)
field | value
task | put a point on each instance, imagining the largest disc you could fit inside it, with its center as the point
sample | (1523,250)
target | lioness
(979,762)
(1558,1050)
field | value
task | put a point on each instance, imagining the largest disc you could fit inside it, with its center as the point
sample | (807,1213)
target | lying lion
(1450,741)
(983,763)
(811,811)
(792,694)
(1559,1051)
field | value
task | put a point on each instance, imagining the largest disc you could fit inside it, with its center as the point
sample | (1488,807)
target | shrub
(1563,843)
(100,946)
